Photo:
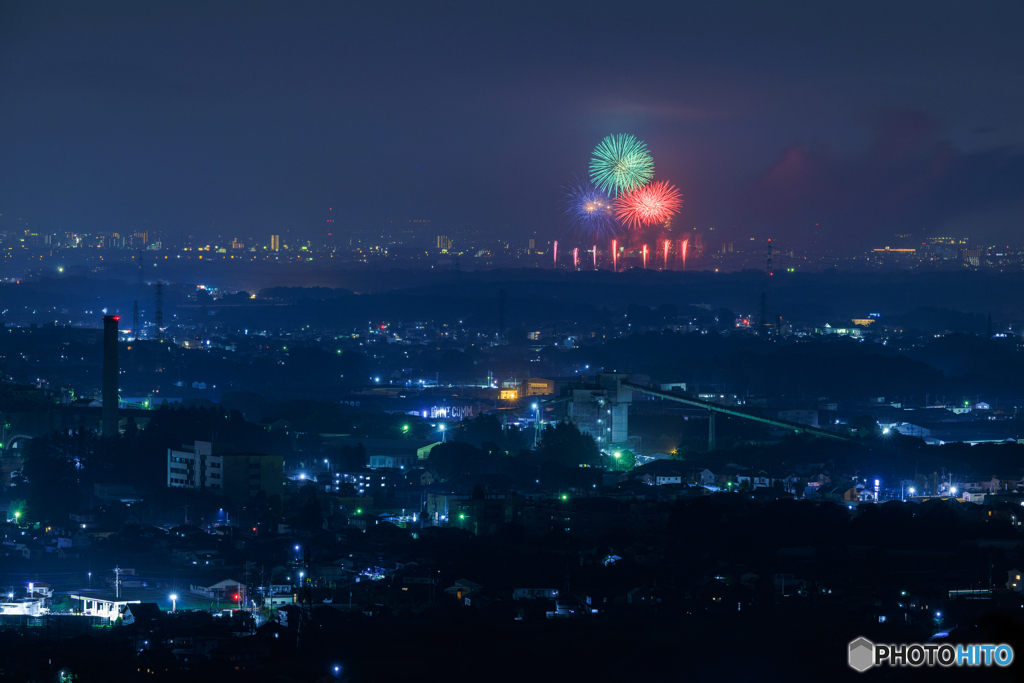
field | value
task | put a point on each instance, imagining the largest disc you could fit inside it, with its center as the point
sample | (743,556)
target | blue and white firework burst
(590,212)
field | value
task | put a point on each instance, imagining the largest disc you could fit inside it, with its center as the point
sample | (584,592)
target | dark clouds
(910,180)
(255,116)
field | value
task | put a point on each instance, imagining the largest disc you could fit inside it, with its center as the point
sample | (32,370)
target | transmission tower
(135,321)
(765,329)
(159,314)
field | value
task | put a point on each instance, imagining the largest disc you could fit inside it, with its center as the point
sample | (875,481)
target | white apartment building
(195,467)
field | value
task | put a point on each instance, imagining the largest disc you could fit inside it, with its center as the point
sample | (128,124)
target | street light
(536,424)
(952,490)
(174,602)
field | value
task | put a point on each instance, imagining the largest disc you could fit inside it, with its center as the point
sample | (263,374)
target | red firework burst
(648,205)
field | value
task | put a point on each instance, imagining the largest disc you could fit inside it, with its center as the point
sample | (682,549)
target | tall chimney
(110,375)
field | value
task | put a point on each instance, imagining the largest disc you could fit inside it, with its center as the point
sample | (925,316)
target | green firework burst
(621,163)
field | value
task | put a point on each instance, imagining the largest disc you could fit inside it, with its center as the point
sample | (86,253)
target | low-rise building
(107,606)
(225,590)
(22,607)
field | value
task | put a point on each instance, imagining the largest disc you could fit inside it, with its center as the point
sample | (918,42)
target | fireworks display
(590,212)
(621,163)
(621,197)
(648,205)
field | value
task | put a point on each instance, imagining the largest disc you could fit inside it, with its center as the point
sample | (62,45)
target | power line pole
(763,329)
(501,316)
(158,297)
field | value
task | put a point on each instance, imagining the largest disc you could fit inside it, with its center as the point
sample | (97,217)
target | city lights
(352,240)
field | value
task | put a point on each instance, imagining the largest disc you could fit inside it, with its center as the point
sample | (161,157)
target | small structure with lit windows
(1014,582)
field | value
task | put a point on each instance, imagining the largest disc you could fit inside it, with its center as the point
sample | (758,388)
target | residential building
(238,476)
(367,482)
(388,453)
(225,590)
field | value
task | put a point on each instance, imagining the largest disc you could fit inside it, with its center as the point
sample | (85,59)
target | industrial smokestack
(110,375)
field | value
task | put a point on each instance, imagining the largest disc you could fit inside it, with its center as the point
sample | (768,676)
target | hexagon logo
(862,654)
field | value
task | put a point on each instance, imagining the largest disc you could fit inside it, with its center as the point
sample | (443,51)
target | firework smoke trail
(595,257)
(621,163)
(576,258)
(665,267)
(645,256)
(590,212)
(649,205)
(556,253)
(615,255)
(685,244)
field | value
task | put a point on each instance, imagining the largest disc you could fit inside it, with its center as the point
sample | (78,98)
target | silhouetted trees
(565,444)
(453,458)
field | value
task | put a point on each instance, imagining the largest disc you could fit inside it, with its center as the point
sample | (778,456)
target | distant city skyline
(816,124)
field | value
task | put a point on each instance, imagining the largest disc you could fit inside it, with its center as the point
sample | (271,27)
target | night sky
(845,123)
